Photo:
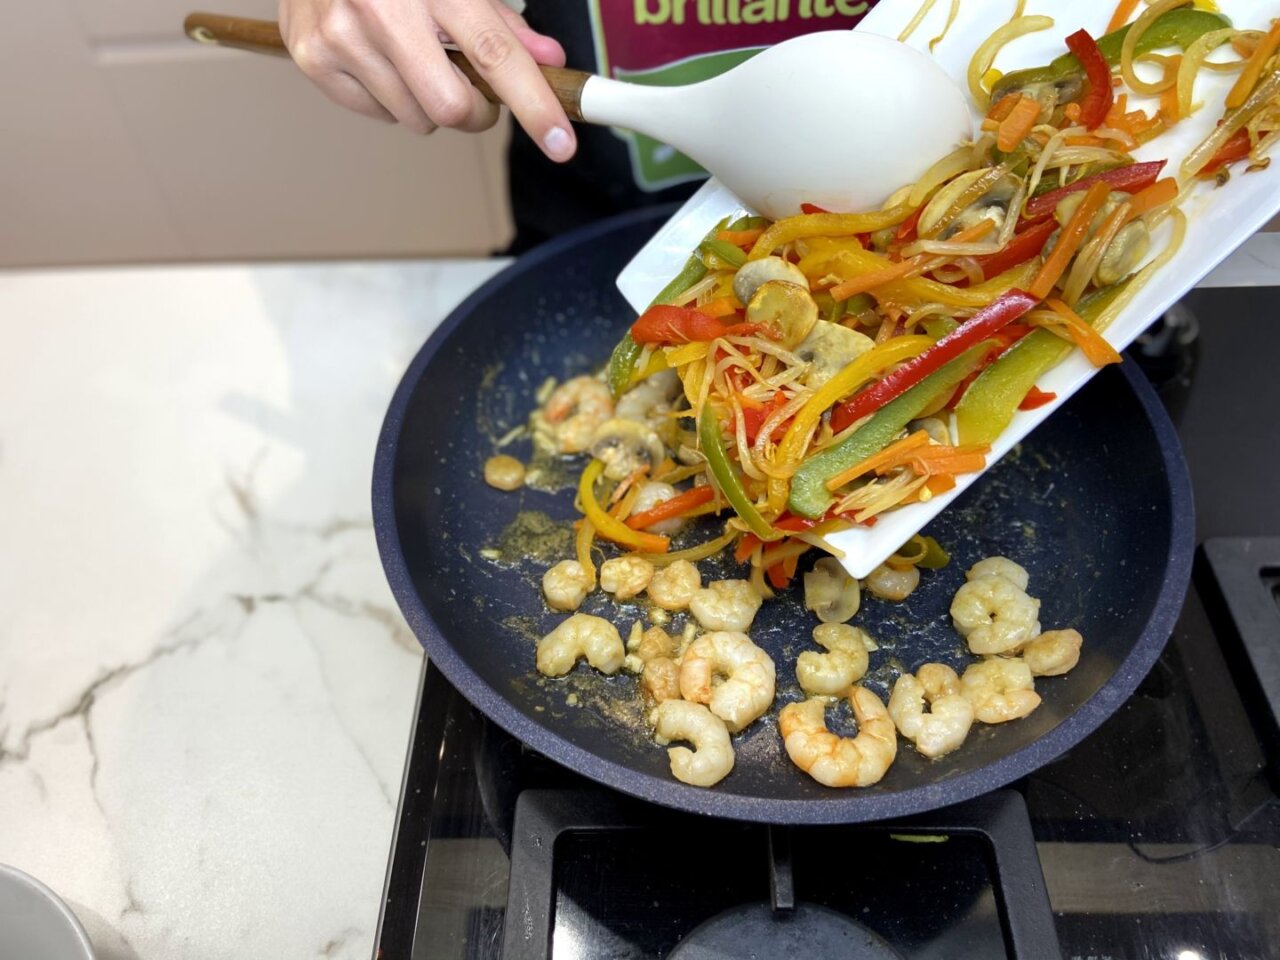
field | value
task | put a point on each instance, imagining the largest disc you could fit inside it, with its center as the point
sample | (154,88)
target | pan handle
(263,36)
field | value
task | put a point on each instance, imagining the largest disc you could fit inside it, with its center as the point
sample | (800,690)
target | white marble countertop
(205,687)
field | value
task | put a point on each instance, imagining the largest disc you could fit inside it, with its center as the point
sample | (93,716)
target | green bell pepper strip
(726,475)
(993,398)
(809,494)
(622,362)
(1177,28)
(734,256)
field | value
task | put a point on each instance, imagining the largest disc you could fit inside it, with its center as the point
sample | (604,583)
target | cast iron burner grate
(548,821)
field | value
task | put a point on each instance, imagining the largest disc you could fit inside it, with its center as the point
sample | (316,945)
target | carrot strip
(1156,195)
(1003,107)
(1069,240)
(1124,10)
(740,238)
(1090,342)
(677,506)
(940,483)
(888,455)
(1248,78)
(961,463)
(869,281)
(1015,127)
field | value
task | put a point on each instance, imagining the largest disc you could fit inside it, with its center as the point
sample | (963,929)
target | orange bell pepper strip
(1070,240)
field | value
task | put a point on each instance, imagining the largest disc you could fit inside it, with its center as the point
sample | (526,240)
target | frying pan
(1096,505)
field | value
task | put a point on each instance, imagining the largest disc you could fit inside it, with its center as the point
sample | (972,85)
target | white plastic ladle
(840,119)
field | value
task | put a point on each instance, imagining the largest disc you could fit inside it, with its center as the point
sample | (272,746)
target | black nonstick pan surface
(1096,504)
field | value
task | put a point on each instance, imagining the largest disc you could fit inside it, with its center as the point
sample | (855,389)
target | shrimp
(748,688)
(994,615)
(726,605)
(675,585)
(1000,689)
(504,473)
(566,585)
(889,584)
(840,761)
(712,757)
(1053,653)
(831,674)
(652,643)
(1000,567)
(581,635)
(649,401)
(575,410)
(950,715)
(625,577)
(660,679)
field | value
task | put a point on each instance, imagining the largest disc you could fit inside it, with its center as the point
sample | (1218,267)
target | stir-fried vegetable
(813,363)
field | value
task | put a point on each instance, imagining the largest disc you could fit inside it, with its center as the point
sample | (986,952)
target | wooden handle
(263,36)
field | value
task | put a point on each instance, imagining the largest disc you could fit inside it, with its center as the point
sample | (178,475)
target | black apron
(652,41)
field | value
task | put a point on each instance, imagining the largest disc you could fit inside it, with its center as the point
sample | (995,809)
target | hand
(385,59)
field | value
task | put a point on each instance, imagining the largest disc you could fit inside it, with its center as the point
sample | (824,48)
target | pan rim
(841,806)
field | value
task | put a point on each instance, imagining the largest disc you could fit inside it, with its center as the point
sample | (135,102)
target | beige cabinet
(120,140)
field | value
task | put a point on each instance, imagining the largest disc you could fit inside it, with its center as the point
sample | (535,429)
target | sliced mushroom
(625,446)
(992,205)
(1123,254)
(1069,204)
(828,349)
(786,307)
(753,274)
(830,592)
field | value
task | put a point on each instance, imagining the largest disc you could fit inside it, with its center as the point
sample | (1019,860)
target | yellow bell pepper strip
(726,476)
(692,554)
(582,547)
(848,261)
(935,558)
(1070,239)
(982,325)
(809,494)
(610,527)
(878,358)
(808,225)
(992,399)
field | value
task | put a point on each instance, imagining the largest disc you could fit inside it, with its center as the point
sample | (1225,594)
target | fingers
(384,58)
(486,37)
(543,49)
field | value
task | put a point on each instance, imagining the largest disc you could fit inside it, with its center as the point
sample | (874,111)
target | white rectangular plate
(1220,219)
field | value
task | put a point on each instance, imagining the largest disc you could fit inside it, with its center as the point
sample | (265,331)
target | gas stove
(1157,837)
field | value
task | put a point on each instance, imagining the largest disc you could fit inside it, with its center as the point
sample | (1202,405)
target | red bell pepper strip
(753,419)
(812,208)
(666,325)
(1236,148)
(677,506)
(1130,179)
(910,227)
(1097,102)
(1036,398)
(981,326)
(1020,249)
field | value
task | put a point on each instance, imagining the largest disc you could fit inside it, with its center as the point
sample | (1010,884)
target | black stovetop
(1158,837)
